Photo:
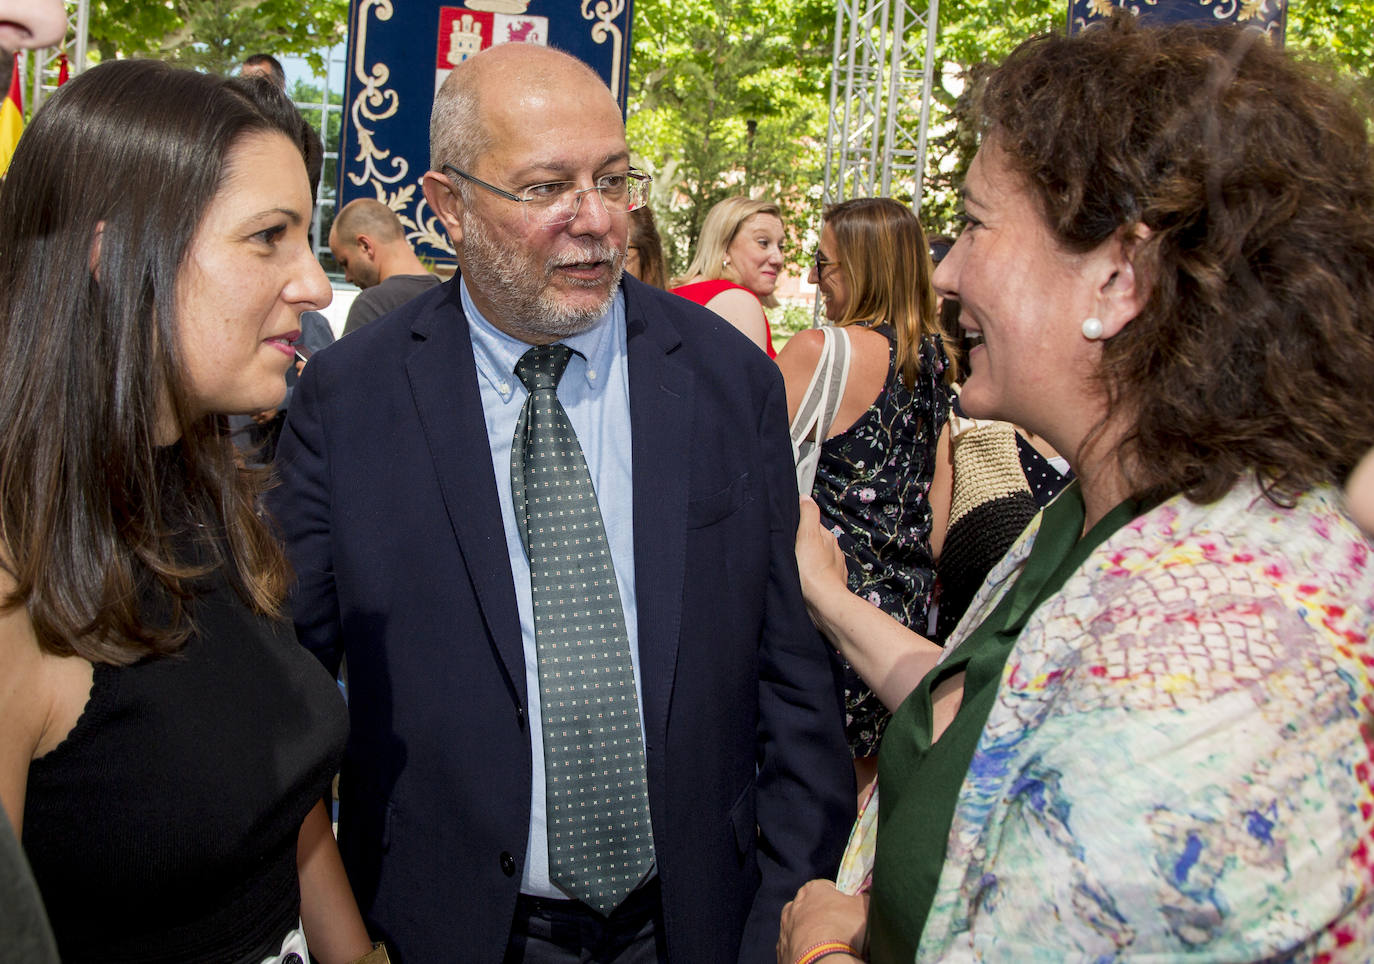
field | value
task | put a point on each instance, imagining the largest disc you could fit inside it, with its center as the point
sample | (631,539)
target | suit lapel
(661,422)
(443,383)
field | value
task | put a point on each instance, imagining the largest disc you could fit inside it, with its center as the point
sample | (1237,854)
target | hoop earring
(1092,328)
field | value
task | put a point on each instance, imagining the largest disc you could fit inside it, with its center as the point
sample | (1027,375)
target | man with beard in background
(547,514)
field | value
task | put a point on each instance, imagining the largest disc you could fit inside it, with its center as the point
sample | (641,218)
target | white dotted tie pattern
(597,801)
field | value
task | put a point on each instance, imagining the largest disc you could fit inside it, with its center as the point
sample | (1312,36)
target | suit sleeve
(806,794)
(301,505)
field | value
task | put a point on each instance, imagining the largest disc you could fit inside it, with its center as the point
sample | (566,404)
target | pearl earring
(1092,328)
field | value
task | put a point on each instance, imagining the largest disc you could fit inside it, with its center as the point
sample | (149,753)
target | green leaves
(728,97)
(215,35)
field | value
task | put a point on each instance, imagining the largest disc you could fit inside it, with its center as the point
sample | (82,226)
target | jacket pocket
(744,819)
(710,509)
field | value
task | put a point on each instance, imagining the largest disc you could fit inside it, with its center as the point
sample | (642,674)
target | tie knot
(542,366)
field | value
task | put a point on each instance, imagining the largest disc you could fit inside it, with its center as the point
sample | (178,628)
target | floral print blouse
(1178,763)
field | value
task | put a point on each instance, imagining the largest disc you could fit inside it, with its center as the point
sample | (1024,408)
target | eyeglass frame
(631,173)
(818,263)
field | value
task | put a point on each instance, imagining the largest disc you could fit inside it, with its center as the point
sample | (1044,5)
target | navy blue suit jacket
(389,507)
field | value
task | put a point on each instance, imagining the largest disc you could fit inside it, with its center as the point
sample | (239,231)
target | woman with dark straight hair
(165,744)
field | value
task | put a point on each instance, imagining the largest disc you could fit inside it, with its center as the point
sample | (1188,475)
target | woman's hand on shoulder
(819,560)
(821,913)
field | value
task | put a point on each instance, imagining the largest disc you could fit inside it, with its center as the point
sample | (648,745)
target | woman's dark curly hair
(1254,353)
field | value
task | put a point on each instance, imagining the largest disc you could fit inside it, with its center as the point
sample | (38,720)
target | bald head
(513,118)
(369,242)
(506,79)
(368,216)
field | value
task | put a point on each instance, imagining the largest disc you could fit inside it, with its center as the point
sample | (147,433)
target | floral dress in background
(873,488)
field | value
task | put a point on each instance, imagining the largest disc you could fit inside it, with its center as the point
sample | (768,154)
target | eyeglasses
(557,202)
(819,263)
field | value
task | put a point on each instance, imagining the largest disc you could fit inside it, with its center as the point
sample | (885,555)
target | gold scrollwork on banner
(605,13)
(376,103)
(1267,12)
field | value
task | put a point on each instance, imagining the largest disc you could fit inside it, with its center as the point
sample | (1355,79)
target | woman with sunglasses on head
(165,743)
(736,268)
(882,480)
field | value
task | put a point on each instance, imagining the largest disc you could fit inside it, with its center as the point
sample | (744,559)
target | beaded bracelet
(824,949)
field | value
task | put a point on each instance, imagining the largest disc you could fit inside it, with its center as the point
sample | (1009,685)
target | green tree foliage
(971,38)
(215,35)
(1338,33)
(729,97)
(702,69)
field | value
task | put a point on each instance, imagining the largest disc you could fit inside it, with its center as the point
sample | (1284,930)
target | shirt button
(592,375)
(507,864)
(292,958)
(503,388)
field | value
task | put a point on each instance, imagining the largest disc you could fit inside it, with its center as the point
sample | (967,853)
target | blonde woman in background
(883,480)
(736,268)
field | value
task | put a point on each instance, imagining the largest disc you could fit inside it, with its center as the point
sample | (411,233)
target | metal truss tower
(880,99)
(46,61)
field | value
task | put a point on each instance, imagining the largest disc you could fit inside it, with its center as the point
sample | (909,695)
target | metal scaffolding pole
(883,68)
(47,62)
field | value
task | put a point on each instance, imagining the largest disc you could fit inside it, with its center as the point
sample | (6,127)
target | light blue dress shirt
(595,392)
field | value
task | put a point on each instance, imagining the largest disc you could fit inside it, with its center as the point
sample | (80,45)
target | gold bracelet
(377,955)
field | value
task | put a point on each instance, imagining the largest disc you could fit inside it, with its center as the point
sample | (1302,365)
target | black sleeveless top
(164,827)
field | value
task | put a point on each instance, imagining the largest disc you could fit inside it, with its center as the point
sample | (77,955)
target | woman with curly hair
(1149,736)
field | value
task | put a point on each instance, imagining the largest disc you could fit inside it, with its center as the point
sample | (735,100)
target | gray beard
(523,301)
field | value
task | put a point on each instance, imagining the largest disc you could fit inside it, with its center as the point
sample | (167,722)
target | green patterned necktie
(596,794)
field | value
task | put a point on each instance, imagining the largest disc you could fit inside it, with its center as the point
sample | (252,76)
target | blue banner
(400,51)
(1270,16)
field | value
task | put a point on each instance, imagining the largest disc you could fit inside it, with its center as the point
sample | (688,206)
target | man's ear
(445,201)
(93,258)
(365,247)
(1128,280)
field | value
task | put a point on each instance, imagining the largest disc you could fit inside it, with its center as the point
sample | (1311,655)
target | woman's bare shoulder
(42,695)
(21,702)
(740,300)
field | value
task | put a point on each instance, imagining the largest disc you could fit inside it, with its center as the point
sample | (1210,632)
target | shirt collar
(496,352)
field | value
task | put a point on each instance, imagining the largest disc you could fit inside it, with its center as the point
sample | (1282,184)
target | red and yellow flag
(11,119)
